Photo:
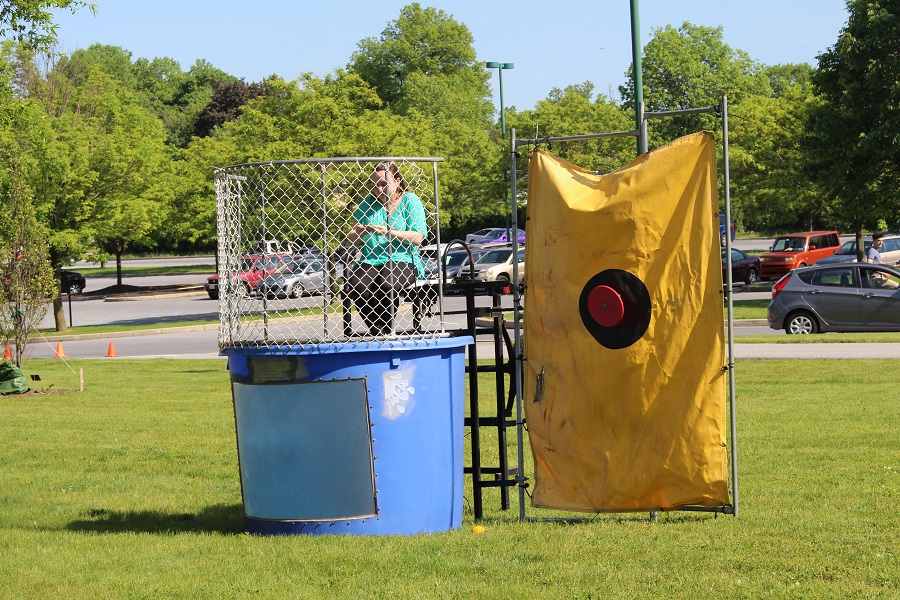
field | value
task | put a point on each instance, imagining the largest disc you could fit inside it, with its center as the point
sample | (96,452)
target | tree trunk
(118,267)
(59,314)
(860,243)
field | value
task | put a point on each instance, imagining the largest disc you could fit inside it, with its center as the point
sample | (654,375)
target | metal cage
(284,260)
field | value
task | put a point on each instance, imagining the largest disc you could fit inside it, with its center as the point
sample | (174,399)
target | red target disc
(605,306)
(615,308)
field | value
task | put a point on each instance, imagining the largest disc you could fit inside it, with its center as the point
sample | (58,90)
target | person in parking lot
(389,226)
(873,254)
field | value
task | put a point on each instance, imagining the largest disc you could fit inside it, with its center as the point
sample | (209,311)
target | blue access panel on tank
(305,449)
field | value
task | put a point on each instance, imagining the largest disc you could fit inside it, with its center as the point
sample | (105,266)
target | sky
(552,44)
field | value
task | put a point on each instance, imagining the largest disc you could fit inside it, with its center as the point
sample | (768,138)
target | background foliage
(128,147)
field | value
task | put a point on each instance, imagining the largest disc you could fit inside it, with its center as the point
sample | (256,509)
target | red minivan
(797,250)
(252,270)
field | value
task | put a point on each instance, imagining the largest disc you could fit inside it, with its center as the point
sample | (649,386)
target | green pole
(638,79)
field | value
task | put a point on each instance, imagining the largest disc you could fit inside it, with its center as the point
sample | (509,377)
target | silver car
(837,297)
(846,253)
(295,279)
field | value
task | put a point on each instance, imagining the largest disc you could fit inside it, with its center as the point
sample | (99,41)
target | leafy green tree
(102,160)
(855,149)
(460,118)
(420,40)
(691,67)
(575,111)
(178,98)
(26,276)
(31,21)
(767,134)
(125,168)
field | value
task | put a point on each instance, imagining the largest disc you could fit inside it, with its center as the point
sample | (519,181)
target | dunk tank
(339,429)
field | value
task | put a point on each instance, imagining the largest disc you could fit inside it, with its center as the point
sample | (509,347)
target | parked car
(432,251)
(846,253)
(71,282)
(455,260)
(478,235)
(502,236)
(797,250)
(890,249)
(722,227)
(496,265)
(295,279)
(743,267)
(252,270)
(837,297)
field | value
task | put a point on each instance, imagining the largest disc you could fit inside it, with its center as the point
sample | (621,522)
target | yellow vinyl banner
(624,388)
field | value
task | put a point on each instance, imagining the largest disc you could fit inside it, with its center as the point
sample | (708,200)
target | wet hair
(392,169)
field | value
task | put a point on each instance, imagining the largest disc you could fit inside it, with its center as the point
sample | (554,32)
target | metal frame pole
(732,404)
(517,372)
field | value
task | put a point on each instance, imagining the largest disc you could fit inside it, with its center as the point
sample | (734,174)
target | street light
(500,66)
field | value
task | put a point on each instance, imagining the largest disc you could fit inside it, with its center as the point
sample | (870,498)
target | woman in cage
(389,225)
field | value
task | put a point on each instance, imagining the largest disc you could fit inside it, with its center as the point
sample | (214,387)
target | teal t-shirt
(408,216)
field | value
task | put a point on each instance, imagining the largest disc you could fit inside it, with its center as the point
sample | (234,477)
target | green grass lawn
(750,309)
(131,489)
(182,269)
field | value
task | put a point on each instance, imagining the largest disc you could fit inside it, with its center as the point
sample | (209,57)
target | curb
(134,298)
(131,333)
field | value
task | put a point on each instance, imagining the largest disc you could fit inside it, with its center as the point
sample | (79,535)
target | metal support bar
(572,138)
(683,111)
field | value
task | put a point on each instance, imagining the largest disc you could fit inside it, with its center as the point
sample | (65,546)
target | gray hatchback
(837,297)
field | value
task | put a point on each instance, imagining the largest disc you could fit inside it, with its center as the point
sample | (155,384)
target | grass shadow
(219,518)
(163,319)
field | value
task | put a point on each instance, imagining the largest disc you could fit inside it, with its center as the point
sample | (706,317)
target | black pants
(376,290)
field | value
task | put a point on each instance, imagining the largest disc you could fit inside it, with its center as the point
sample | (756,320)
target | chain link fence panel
(285,264)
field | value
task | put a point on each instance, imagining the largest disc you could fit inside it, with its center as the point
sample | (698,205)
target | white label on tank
(398,392)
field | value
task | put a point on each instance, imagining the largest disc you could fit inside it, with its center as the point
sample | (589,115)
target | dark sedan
(71,282)
(837,297)
(743,267)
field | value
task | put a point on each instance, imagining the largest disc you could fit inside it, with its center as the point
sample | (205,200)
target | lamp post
(500,66)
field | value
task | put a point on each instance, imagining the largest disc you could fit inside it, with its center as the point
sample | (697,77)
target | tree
(125,168)
(691,67)
(31,21)
(225,104)
(101,161)
(855,147)
(768,136)
(460,118)
(426,41)
(26,277)
(575,111)
(176,97)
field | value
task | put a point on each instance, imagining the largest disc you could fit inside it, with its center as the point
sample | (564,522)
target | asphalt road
(202,342)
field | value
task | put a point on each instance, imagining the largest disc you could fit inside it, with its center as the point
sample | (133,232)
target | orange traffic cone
(111,351)
(59,351)
(8,354)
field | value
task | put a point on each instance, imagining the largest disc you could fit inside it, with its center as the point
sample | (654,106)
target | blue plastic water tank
(360,439)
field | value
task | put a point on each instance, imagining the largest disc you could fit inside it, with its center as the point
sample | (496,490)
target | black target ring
(615,308)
